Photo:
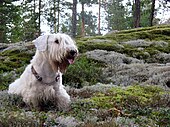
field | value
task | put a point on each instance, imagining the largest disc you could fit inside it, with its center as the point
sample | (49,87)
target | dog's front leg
(62,99)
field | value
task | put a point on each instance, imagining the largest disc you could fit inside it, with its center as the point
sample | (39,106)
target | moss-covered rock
(12,64)
(135,103)
(152,36)
(132,95)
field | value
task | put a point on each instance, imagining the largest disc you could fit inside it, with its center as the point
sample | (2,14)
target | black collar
(39,78)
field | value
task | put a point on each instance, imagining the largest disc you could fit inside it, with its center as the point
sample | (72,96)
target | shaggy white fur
(54,53)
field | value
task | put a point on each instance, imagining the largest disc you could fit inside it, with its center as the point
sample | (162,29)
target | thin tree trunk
(2,36)
(58,9)
(74,18)
(152,12)
(99,18)
(39,18)
(137,14)
(37,33)
(34,14)
(55,27)
(83,27)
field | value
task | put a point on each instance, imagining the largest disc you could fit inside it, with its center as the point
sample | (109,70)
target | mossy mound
(113,42)
(112,106)
(12,59)
(132,102)
(13,63)
(151,33)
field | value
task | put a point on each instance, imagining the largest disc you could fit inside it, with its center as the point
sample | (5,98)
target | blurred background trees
(24,20)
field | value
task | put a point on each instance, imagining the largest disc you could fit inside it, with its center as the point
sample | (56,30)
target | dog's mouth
(71,56)
(70,59)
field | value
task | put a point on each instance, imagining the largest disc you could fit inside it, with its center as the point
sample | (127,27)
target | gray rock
(138,43)
(112,32)
(67,121)
(100,41)
(143,43)
(111,57)
(160,43)
(128,74)
(163,57)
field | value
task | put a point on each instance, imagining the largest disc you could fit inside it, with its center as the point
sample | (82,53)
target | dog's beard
(64,63)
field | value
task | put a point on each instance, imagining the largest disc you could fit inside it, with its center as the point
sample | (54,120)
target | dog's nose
(73,52)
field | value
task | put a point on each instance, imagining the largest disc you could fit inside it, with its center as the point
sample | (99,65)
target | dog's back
(19,84)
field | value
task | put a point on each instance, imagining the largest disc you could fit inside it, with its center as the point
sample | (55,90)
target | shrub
(84,70)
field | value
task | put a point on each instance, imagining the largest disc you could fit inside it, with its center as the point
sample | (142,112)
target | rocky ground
(120,79)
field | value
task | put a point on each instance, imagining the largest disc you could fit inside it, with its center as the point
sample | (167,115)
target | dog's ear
(41,42)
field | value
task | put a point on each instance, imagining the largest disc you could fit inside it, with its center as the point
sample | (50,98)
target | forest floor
(121,79)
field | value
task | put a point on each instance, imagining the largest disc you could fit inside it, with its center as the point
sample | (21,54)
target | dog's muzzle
(72,54)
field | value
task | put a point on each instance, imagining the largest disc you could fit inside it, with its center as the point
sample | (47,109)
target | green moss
(142,95)
(6,79)
(141,103)
(145,29)
(149,33)
(152,51)
(161,116)
(156,33)
(89,46)
(12,63)
(14,59)
(151,102)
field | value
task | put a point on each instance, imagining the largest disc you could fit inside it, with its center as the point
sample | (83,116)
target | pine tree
(152,12)
(54,12)
(137,14)
(74,18)
(90,22)
(116,15)
(83,3)
(10,18)
(31,19)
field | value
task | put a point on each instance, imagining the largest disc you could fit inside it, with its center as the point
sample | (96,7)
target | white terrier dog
(42,79)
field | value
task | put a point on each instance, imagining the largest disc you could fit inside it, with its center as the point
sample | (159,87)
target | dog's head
(61,49)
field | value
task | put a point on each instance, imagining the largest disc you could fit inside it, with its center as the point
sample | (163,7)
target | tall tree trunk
(137,14)
(74,18)
(99,18)
(39,18)
(36,34)
(55,26)
(2,28)
(58,15)
(1,36)
(34,13)
(152,12)
(82,15)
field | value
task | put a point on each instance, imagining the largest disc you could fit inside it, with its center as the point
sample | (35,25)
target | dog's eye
(56,41)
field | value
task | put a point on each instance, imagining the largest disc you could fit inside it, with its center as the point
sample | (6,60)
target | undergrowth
(84,71)
(115,106)
(140,103)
